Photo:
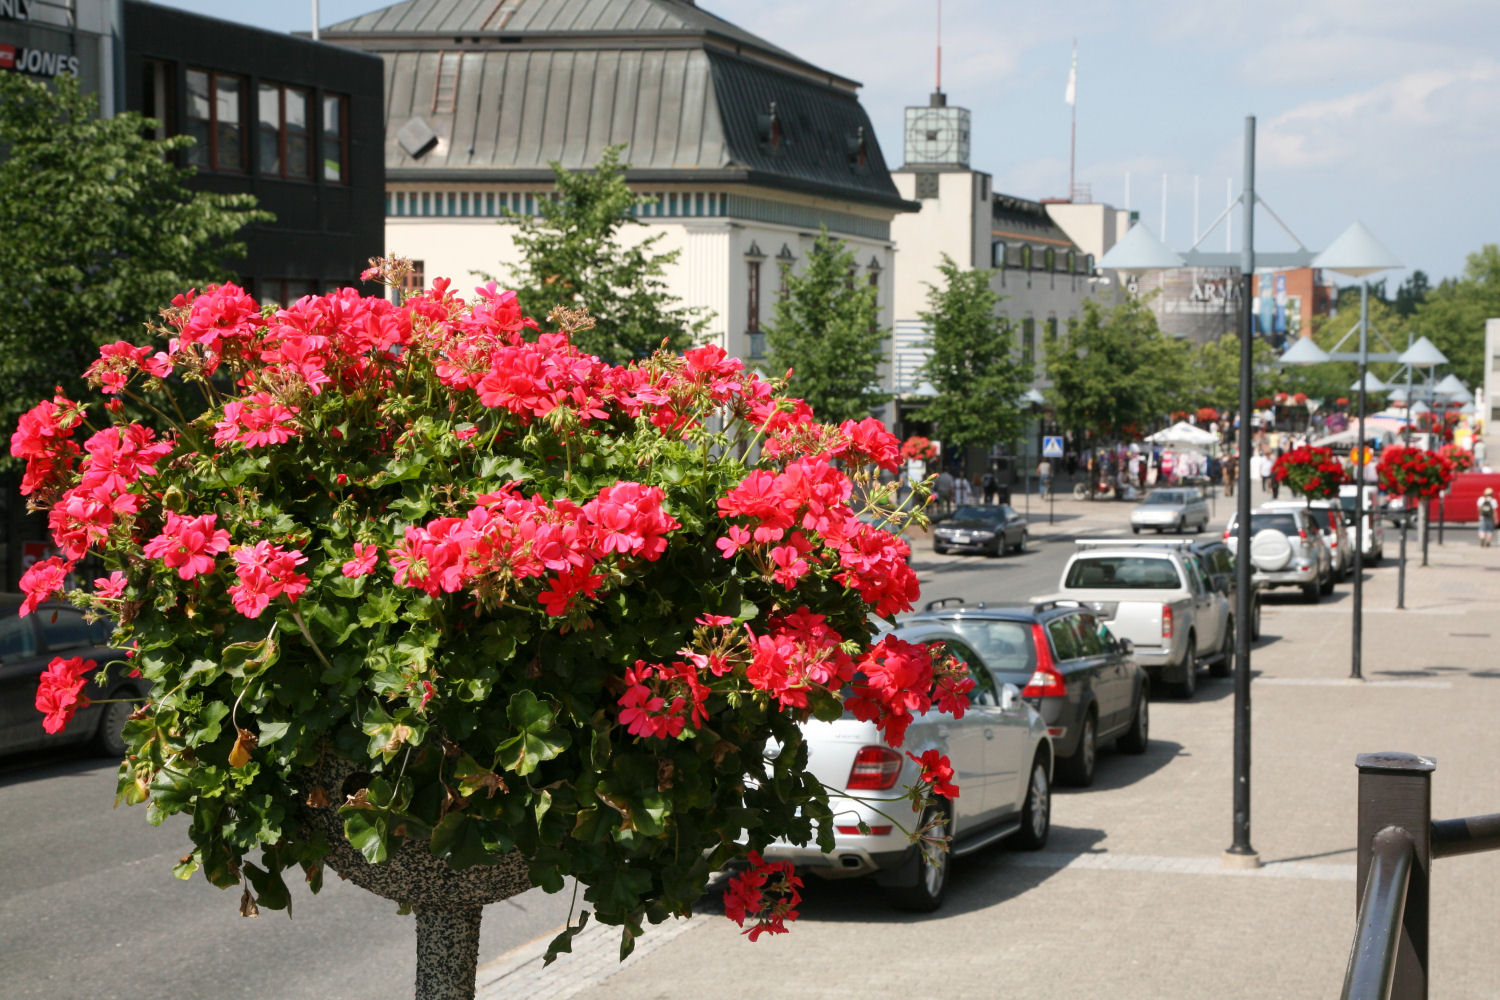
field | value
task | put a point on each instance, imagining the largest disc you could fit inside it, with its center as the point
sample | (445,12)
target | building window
(335,138)
(159,96)
(283,135)
(997,254)
(1050,259)
(215,120)
(1050,332)
(752,305)
(1028,341)
(757,344)
(285,291)
(1026,258)
(415,281)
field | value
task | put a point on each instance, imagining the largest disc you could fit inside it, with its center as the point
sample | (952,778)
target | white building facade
(741,152)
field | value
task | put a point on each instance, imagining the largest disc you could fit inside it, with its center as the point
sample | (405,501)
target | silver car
(1329,516)
(1181,509)
(1286,550)
(1002,764)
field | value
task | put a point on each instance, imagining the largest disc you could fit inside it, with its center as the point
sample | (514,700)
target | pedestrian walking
(963,492)
(1271,475)
(989,487)
(1044,474)
(1487,518)
(1231,473)
(945,490)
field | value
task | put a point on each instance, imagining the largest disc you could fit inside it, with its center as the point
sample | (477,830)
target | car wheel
(941,550)
(1135,529)
(1188,686)
(1310,592)
(1198,528)
(109,738)
(1036,815)
(923,880)
(1139,733)
(1224,665)
(1021,545)
(999,547)
(1079,769)
(1080,491)
(1328,584)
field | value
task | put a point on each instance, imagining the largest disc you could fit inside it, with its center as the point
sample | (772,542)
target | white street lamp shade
(1356,253)
(1423,354)
(1033,397)
(1468,409)
(1372,384)
(1418,408)
(1305,352)
(1453,387)
(1140,251)
(1398,394)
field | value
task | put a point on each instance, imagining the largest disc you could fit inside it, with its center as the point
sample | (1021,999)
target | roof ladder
(445,88)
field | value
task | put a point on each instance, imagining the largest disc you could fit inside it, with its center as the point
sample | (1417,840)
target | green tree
(1113,373)
(826,329)
(100,233)
(1453,314)
(572,256)
(972,363)
(1214,374)
(1412,293)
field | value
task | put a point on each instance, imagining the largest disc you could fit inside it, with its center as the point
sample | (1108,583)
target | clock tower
(937,135)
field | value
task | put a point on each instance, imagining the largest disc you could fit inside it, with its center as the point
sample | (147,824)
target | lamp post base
(1247,861)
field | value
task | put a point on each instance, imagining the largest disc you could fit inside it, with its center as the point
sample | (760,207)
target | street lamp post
(1358,254)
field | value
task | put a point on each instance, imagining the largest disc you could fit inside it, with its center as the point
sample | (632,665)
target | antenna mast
(939,46)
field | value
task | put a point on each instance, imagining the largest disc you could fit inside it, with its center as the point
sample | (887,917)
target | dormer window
(771,135)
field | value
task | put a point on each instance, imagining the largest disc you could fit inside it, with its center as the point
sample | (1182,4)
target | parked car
(1217,562)
(1083,680)
(1374,527)
(1328,515)
(1002,764)
(1154,593)
(27,645)
(1171,509)
(1286,550)
(989,529)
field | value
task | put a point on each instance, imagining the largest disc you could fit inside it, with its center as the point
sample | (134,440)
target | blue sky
(1383,111)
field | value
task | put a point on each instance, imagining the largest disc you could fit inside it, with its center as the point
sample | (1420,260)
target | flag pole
(1072,98)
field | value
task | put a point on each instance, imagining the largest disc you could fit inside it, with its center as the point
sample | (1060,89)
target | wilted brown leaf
(317,798)
(247,904)
(239,756)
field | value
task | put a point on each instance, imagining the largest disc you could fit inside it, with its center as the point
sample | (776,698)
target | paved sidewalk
(1130,899)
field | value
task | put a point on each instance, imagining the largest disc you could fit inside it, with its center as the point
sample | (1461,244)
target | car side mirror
(1125,646)
(1009,696)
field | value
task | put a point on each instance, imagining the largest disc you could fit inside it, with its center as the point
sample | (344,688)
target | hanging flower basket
(1263,403)
(1413,472)
(918,449)
(1207,415)
(423,586)
(1462,459)
(1314,473)
(1299,399)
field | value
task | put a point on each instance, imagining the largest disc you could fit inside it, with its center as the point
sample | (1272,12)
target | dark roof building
(740,149)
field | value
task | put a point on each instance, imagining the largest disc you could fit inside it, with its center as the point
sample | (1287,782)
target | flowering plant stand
(430,597)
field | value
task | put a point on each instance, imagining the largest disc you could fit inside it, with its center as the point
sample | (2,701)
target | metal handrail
(1471,835)
(1372,963)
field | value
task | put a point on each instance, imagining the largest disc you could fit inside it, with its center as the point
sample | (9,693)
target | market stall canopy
(1184,435)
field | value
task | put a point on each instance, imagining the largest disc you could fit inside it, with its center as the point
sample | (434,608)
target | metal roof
(1022,219)
(687,109)
(556,18)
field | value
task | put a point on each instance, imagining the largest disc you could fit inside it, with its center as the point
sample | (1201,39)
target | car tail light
(853,831)
(874,767)
(1045,681)
(1166,621)
(1227,532)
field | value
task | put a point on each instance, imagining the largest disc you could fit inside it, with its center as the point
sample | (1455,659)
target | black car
(1084,682)
(990,529)
(1216,560)
(27,645)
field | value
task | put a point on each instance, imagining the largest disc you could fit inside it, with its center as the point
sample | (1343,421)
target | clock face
(937,135)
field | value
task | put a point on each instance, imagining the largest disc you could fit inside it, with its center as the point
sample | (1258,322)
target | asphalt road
(89,908)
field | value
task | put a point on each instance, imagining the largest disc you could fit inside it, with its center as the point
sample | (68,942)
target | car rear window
(1284,523)
(1005,646)
(1123,573)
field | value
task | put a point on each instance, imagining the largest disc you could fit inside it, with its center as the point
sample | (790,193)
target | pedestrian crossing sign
(1052,446)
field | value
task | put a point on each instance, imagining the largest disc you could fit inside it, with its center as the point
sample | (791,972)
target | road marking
(519,973)
(1339,609)
(1105,861)
(1351,682)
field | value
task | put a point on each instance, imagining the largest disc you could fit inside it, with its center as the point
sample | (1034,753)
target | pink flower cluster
(767,893)
(800,517)
(59,692)
(660,701)
(256,421)
(188,544)
(509,537)
(898,681)
(265,572)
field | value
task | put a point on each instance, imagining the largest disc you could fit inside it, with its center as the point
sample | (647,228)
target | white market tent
(1184,435)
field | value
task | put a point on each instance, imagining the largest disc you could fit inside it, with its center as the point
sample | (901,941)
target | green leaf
(247,659)
(459,839)
(563,943)
(368,831)
(539,738)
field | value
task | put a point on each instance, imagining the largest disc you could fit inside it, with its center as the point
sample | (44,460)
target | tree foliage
(1114,372)
(972,363)
(100,232)
(572,255)
(1453,314)
(1214,373)
(826,328)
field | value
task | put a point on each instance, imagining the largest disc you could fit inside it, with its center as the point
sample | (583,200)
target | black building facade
(297,123)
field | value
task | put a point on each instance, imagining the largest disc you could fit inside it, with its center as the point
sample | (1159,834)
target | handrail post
(1395,789)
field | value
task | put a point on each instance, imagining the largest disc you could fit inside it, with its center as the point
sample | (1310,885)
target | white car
(1002,763)
(1374,533)
(1178,509)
